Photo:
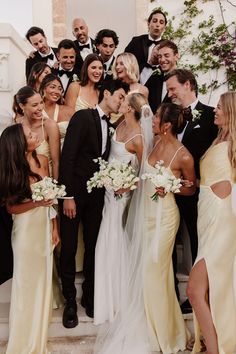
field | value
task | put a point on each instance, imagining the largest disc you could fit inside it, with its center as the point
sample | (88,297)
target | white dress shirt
(50,62)
(85,51)
(104,128)
(64,78)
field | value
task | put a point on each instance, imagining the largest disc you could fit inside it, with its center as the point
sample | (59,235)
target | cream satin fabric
(165,321)
(31,297)
(217,246)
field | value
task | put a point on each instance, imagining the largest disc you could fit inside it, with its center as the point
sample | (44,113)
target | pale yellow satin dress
(31,297)
(217,246)
(79,258)
(58,301)
(167,330)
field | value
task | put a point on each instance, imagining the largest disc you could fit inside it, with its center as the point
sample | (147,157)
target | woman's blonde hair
(137,101)
(228,102)
(131,66)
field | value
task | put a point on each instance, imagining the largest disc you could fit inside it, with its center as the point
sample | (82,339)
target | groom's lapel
(97,122)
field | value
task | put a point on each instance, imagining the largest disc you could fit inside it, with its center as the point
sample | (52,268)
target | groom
(87,138)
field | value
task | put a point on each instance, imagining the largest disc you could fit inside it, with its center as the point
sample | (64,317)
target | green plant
(215,46)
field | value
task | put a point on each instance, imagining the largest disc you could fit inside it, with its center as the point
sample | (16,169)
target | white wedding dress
(111,256)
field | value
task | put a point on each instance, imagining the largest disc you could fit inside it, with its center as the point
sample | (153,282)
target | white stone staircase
(84,334)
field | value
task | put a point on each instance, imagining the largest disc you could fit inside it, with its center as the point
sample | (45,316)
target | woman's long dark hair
(14,167)
(84,70)
(46,82)
(36,71)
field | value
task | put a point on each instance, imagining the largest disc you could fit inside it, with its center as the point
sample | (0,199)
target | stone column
(59,19)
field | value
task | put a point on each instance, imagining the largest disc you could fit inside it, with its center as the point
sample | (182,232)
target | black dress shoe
(89,312)
(186,307)
(70,318)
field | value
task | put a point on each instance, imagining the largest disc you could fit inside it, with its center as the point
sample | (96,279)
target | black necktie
(62,72)
(82,46)
(188,114)
(150,42)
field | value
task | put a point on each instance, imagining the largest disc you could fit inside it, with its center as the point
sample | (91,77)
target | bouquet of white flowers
(113,175)
(163,178)
(47,188)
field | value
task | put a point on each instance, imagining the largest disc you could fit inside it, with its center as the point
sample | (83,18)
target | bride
(111,250)
(150,318)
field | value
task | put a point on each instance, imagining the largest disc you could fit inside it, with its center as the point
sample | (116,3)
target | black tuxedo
(139,46)
(83,143)
(198,136)
(37,58)
(75,71)
(79,59)
(155,86)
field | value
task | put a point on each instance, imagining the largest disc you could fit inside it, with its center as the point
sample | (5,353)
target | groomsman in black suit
(106,42)
(87,138)
(197,136)
(67,69)
(84,45)
(141,46)
(163,59)
(38,40)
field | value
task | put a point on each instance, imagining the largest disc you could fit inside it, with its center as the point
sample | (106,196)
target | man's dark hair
(66,44)
(184,75)
(112,86)
(168,44)
(154,12)
(33,31)
(106,33)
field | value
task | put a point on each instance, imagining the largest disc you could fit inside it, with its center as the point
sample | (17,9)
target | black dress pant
(88,211)
(6,254)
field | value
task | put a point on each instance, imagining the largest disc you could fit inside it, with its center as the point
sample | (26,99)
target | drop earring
(164,132)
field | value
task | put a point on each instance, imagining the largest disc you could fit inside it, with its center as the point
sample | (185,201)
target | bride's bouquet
(163,178)
(113,175)
(47,188)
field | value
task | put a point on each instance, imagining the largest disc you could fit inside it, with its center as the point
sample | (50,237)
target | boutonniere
(157,71)
(196,115)
(111,131)
(75,78)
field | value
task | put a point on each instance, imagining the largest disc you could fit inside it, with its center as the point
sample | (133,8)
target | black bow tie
(150,42)
(82,46)
(104,117)
(62,72)
(153,67)
(49,56)
(188,114)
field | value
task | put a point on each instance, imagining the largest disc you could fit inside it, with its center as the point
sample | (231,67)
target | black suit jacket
(139,47)
(79,59)
(155,86)
(199,135)
(37,58)
(83,144)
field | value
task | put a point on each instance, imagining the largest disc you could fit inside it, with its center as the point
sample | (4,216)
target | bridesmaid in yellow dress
(84,94)
(46,129)
(211,289)
(51,90)
(33,237)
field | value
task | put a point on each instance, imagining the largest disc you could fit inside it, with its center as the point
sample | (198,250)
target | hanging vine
(214,47)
